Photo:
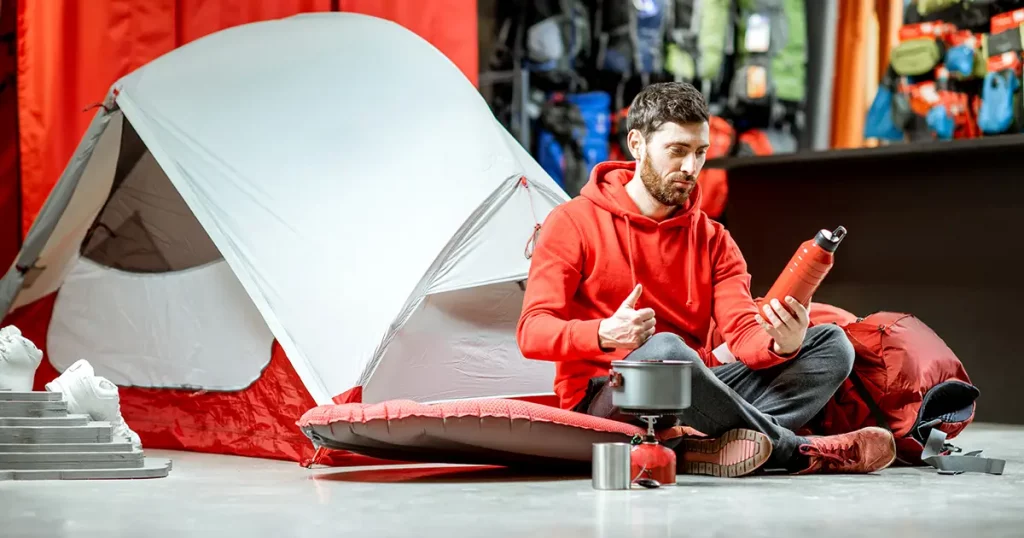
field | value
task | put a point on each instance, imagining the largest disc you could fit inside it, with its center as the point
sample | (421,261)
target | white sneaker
(19,358)
(100,399)
(89,394)
(81,369)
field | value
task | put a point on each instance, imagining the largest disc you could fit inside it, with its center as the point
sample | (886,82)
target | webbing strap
(876,412)
(968,463)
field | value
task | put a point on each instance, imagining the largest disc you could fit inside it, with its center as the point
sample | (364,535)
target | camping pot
(650,387)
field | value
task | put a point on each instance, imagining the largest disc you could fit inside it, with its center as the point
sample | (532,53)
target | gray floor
(225,496)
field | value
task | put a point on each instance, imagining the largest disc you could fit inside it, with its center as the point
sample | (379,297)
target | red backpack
(906,379)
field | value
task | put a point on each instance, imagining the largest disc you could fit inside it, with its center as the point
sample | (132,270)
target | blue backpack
(631,36)
(881,122)
(998,95)
(573,137)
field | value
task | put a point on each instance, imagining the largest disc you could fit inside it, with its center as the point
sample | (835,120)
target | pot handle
(615,379)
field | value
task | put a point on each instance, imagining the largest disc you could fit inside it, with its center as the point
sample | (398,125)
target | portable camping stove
(651,390)
(651,463)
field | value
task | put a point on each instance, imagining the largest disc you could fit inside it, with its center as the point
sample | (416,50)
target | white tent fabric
(190,328)
(348,173)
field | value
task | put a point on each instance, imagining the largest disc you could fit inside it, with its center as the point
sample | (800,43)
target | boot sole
(737,453)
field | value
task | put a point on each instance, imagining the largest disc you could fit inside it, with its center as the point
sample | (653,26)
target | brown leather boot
(863,451)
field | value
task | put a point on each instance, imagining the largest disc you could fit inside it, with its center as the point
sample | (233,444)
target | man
(633,269)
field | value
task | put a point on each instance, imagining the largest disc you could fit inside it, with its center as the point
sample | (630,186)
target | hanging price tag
(757,82)
(758,37)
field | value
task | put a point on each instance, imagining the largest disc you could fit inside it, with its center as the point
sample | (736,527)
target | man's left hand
(787,330)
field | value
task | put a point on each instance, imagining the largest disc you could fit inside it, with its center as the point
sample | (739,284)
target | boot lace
(834,452)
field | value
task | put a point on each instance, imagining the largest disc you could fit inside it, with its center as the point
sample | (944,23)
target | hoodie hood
(607,190)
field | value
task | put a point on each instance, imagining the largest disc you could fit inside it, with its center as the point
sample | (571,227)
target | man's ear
(636,142)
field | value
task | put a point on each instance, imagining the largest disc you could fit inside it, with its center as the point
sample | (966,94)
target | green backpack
(771,55)
(700,35)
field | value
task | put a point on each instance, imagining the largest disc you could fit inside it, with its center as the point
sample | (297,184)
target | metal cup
(611,466)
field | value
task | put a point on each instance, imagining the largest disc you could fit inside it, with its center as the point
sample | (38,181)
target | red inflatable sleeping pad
(488,432)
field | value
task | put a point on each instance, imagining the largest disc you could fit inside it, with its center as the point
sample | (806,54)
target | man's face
(671,160)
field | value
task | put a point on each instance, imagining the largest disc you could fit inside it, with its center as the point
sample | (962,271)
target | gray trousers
(775,401)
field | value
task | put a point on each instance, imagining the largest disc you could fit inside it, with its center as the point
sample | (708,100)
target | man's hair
(657,104)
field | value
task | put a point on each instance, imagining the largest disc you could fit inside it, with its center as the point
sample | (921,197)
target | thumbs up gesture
(627,328)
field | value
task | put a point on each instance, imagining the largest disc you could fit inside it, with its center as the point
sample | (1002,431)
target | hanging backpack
(630,37)
(967,55)
(699,36)
(555,41)
(562,131)
(907,380)
(573,136)
(770,80)
(998,112)
(880,122)
(1000,92)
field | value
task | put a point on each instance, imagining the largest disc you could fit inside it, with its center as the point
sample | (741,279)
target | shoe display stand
(40,440)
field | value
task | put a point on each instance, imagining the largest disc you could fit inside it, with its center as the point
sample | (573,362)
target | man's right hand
(627,328)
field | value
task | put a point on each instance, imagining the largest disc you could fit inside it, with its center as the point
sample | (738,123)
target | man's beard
(664,191)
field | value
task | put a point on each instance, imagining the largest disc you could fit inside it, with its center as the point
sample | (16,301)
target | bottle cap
(829,241)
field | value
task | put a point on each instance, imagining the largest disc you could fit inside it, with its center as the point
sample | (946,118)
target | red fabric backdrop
(10,194)
(70,52)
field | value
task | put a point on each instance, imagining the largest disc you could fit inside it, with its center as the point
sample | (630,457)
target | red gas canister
(651,460)
(806,269)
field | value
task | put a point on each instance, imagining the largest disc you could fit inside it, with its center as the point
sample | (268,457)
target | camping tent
(283,214)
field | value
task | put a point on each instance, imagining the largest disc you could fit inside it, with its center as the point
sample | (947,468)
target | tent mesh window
(145,226)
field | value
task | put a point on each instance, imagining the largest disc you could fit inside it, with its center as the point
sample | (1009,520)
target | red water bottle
(806,269)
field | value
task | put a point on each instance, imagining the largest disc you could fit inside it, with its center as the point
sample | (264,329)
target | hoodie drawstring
(629,247)
(691,247)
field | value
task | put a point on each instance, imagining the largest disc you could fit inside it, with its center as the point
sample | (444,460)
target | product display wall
(561,75)
(955,73)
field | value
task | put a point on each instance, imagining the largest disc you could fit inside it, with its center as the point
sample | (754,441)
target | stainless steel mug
(611,466)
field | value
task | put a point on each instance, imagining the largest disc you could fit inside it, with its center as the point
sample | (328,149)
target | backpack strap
(936,454)
(876,412)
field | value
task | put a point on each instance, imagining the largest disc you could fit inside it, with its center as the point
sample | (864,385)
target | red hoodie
(592,252)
